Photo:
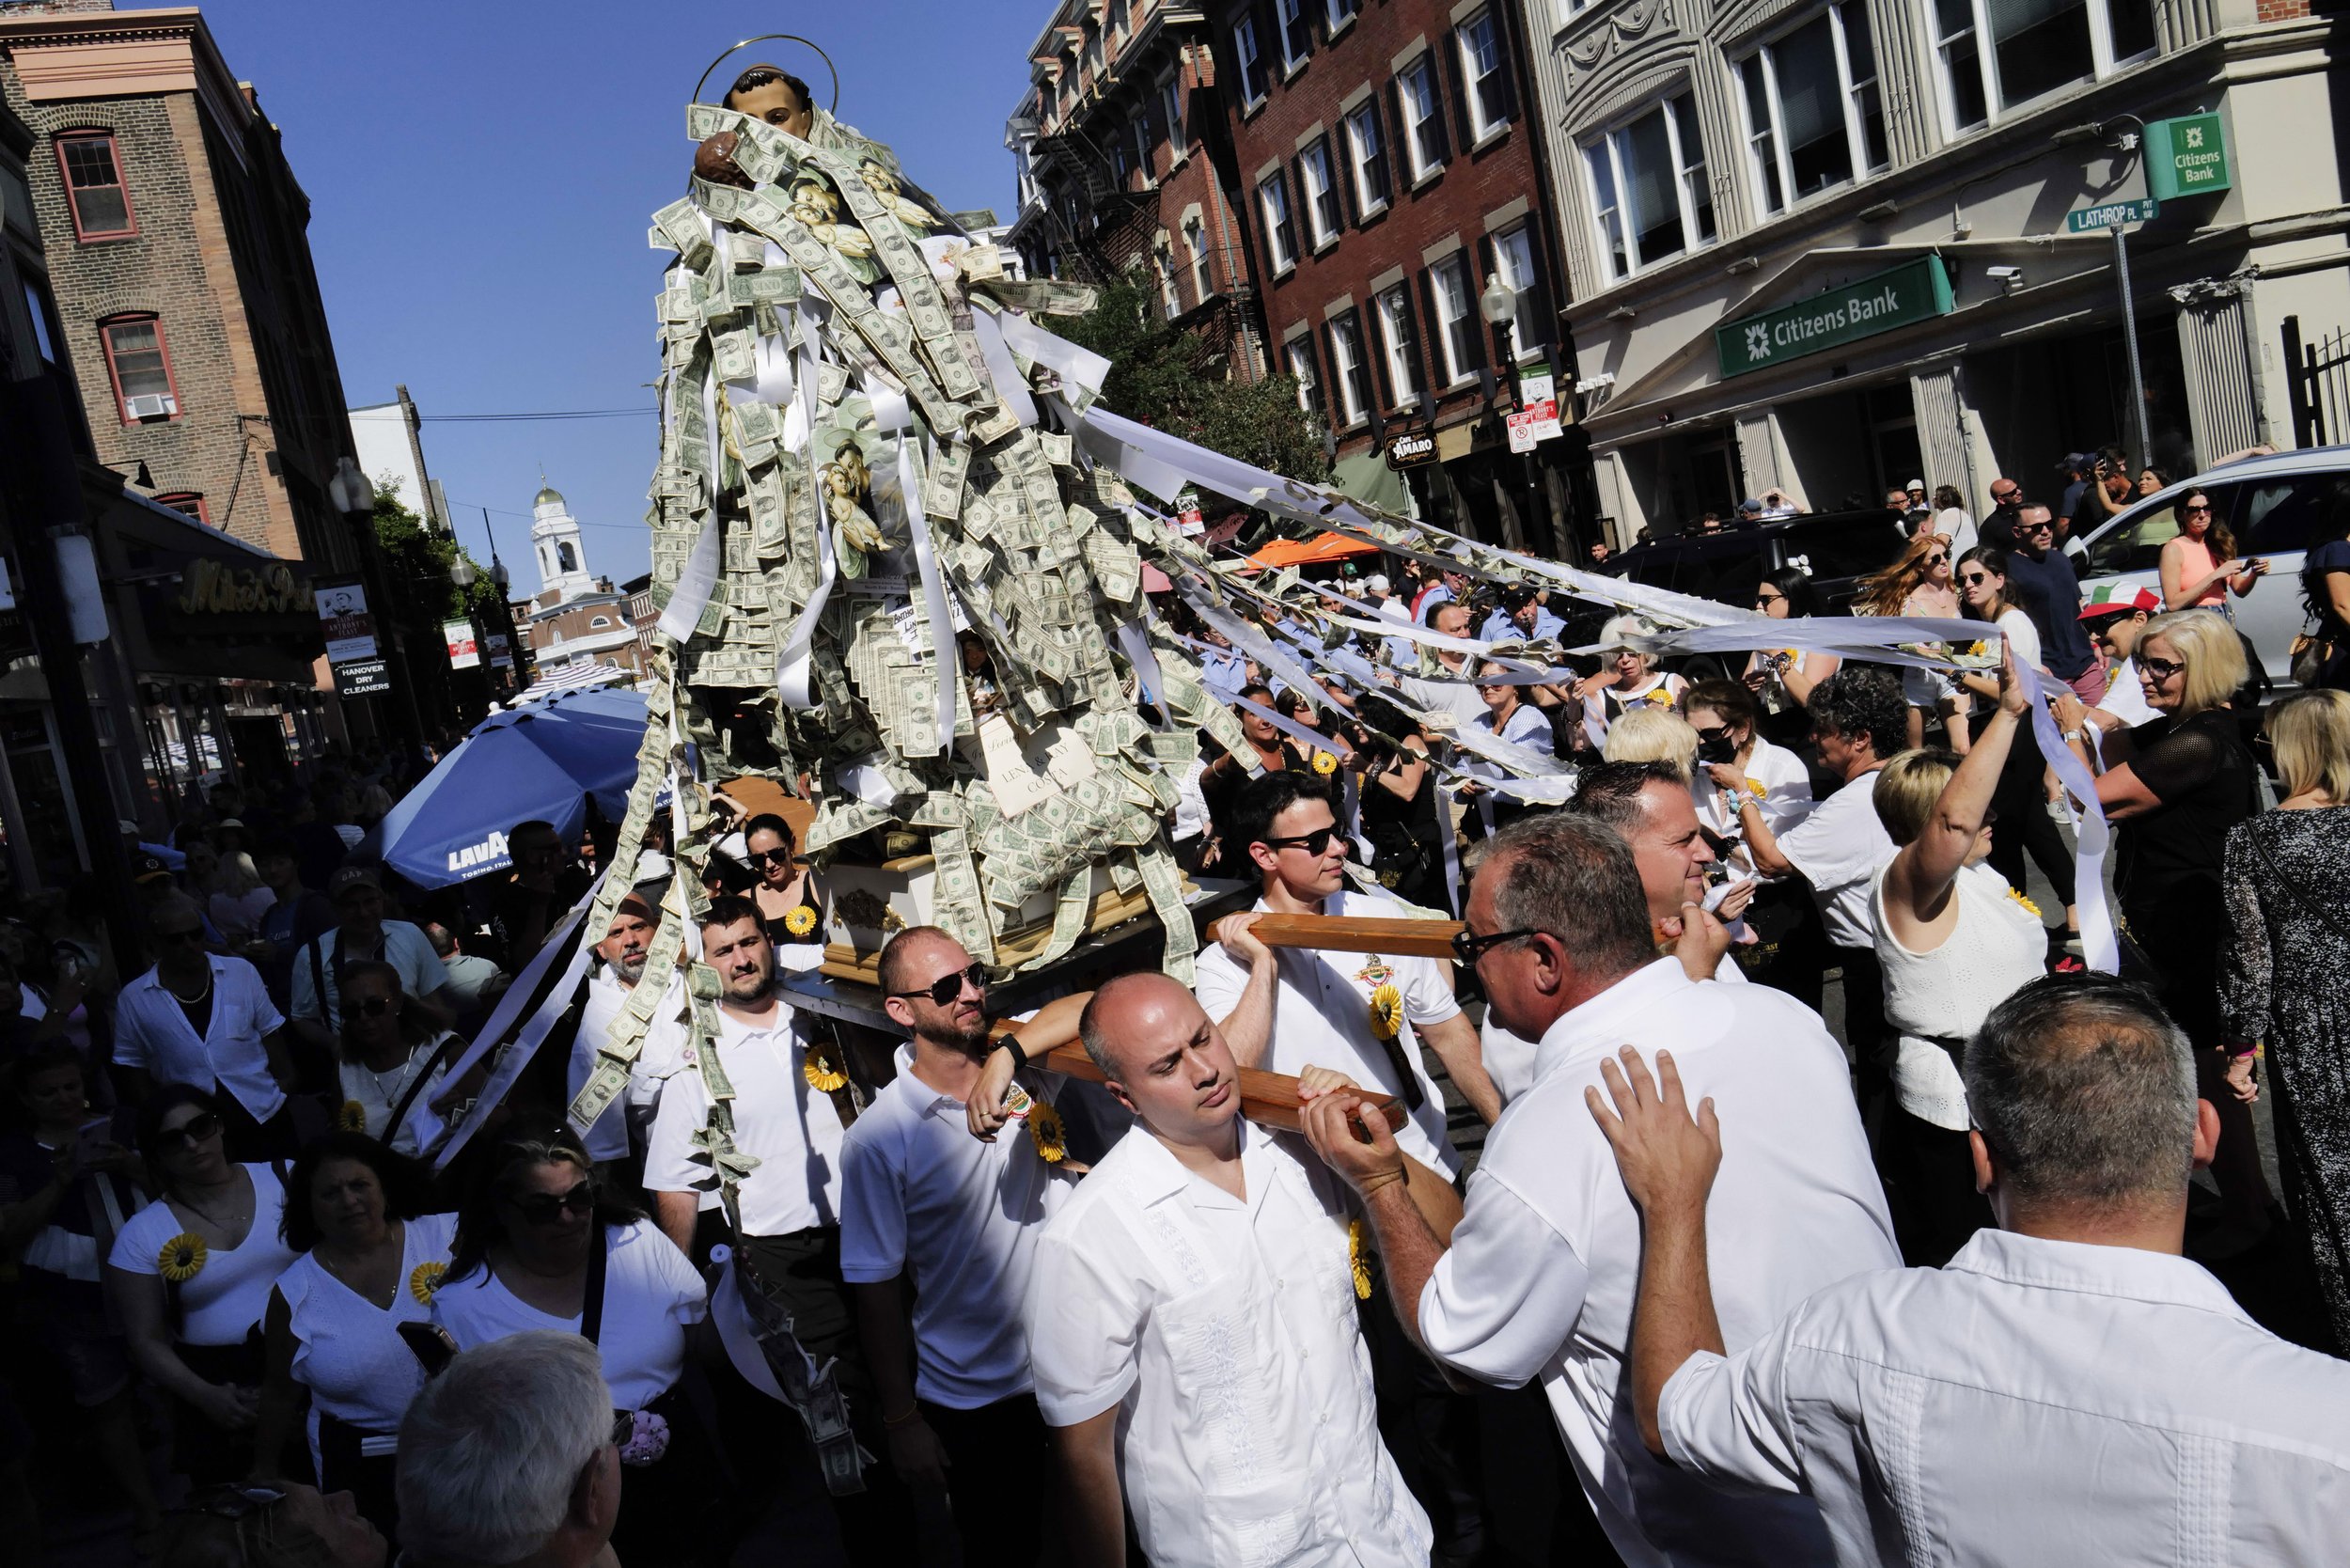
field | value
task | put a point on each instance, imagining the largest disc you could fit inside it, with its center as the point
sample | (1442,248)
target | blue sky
(480,177)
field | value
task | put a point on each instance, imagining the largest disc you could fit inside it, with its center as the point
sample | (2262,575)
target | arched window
(94,186)
(570,556)
(599,623)
(140,365)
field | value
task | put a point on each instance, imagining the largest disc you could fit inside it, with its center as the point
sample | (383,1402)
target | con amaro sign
(1914,291)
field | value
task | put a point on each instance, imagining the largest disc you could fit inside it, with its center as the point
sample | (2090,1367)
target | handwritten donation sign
(1914,291)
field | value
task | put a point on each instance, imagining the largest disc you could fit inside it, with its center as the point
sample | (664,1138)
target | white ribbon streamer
(1011,385)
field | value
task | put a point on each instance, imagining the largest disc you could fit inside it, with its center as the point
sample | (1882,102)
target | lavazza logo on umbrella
(489,851)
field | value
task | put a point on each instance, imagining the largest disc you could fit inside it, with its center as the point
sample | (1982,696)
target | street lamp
(1498,305)
(353,491)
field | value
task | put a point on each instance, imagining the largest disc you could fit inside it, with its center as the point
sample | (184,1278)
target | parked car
(2273,505)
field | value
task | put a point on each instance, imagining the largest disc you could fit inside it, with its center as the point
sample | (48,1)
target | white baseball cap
(1376,583)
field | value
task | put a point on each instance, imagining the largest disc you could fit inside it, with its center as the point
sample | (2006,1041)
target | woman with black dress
(2173,787)
(1398,795)
(2281,992)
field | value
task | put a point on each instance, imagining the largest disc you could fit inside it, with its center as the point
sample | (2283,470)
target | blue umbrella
(541,762)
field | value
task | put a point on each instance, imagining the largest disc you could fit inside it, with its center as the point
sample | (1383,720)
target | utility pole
(428,504)
(42,484)
(2129,335)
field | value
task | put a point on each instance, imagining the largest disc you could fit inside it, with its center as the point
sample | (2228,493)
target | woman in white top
(1627,677)
(390,1057)
(1735,763)
(1782,678)
(190,1274)
(540,1244)
(1511,719)
(1951,522)
(1954,941)
(2022,798)
(370,1260)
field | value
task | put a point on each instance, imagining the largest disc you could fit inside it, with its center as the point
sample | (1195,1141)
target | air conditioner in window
(155,405)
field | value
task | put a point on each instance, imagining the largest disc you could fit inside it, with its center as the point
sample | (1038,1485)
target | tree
(417,566)
(1174,380)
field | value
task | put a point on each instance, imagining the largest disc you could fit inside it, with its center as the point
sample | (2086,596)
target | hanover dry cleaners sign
(1914,291)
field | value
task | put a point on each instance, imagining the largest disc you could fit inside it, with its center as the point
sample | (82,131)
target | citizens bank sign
(1915,291)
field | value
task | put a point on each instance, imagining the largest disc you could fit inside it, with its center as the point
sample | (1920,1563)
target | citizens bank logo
(1758,341)
(2194,135)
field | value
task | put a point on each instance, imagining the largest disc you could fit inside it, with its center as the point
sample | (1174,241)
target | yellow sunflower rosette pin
(424,1280)
(821,1075)
(1386,1011)
(1325,764)
(800,921)
(352,1118)
(1358,1263)
(1047,1132)
(183,1257)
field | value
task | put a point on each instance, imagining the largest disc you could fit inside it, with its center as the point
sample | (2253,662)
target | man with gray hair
(1538,1280)
(507,1459)
(2068,1389)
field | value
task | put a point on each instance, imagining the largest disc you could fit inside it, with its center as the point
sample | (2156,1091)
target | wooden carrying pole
(1268,1098)
(1344,934)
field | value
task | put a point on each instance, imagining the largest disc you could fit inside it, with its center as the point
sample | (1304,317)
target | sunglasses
(1768,598)
(2009,495)
(2161,670)
(372,1007)
(2195,511)
(231,1502)
(1469,950)
(2040,527)
(1936,560)
(1708,734)
(546,1208)
(1316,842)
(946,987)
(1972,578)
(771,857)
(195,1130)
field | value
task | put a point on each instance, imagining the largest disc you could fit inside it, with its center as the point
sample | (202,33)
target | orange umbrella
(1311,552)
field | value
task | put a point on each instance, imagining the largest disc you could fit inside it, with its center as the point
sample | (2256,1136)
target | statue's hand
(713,161)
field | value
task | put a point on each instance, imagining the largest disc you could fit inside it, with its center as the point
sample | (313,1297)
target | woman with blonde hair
(1628,679)
(2281,976)
(2173,787)
(1954,941)
(1654,735)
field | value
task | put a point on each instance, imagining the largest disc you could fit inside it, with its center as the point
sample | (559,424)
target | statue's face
(776,103)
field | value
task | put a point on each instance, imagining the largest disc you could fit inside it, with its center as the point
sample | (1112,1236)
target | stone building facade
(1825,245)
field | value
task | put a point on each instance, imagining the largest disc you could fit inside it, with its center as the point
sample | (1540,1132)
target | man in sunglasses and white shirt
(199,1019)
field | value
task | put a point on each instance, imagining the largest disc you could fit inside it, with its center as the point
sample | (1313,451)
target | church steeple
(554,539)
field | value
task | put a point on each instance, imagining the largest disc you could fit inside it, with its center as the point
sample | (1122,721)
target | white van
(2276,507)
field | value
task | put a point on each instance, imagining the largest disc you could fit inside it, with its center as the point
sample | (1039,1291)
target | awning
(1366,476)
(1311,551)
(563,678)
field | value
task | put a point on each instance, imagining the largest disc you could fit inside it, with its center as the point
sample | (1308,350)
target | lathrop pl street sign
(1914,291)
(2141,210)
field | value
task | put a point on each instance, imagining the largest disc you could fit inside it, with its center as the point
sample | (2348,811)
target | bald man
(1191,1317)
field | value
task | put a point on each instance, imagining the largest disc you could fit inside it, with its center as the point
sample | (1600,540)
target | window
(186,501)
(1368,152)
(1424,118)
(1202,275)
(1171,105)
(94,187)
(37,306)
(1513,259)
(1280,235)
(1301,358)
(1346,366)
(1811,107)
(1395,341)
(599,623)
(568,556)
(1650,195)
(1996,54)
(1170,292)
(1252,67)
(1297,37)
(1484,74)
(1123,156)
(1340,12)
(140,368)
(1457,320)
(1142,142)
(1320,191)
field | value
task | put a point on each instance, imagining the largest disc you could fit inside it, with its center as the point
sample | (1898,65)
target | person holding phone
(371,1260)
(2199,563)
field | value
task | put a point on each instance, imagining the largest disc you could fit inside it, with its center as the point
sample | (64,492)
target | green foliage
(417,565)
(1177,381)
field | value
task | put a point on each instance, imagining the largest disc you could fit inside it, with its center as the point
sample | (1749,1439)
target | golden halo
(793,38)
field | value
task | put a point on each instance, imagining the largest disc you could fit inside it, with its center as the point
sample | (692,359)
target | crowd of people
(1936,1283)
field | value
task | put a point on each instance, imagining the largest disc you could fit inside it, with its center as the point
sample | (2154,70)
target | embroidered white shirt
(1226,1329)
(2033,1401)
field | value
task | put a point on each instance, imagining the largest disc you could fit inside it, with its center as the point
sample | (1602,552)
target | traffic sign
(2141,210)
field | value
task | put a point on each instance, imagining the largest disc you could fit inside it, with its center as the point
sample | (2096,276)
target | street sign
(1535,386)
(1898,297)
(464,652)
(2141,210)
(362,678)
(1523,429)
(2187,156)
(1411,448)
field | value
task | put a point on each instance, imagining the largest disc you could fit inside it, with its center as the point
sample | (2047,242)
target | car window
(2279,516)
(1845,547)
(2134,541)
(1727,575)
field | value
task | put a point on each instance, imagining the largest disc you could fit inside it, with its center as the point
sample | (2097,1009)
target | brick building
(184,298)
(1112,147)
(1388,159)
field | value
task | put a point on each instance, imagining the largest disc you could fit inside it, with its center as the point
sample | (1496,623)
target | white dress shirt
(1509,1058)
(1542,1270)
(1321,1017)
(2034,1402)
(921,1196)
(318,995)
(1840,848)
(791,1128)
(1443,694)
(151,1032)
(1226,1329)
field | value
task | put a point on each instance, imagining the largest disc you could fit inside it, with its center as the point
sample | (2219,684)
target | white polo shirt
(2034,1400)
(1543,1267)
(919,1196)
(1224,1331)
(1777,781)
(1321,1017)
(151,1032)
(792,1129)
(1839,848)
(406,948)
